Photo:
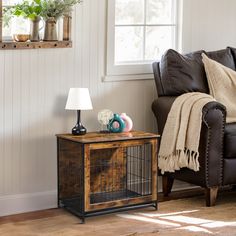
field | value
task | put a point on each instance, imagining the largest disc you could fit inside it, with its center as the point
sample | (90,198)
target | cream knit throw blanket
(181,135)
(222,84)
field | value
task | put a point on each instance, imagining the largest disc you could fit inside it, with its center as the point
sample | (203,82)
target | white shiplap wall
(34,86)
(208,25)
(33,90)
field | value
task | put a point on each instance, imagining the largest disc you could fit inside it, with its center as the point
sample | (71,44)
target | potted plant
(30,9)
(52,10)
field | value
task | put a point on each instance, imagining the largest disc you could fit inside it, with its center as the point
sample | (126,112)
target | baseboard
(21,203)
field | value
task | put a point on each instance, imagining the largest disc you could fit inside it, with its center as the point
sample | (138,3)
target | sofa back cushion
(176,74)
(223,56)
(233,52)
(182,73)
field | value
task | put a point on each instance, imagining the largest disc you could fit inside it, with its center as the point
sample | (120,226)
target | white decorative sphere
(104,116)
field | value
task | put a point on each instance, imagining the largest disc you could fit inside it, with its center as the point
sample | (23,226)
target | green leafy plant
(30,9)
(57,8)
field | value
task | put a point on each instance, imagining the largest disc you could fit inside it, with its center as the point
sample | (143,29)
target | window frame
(139,70)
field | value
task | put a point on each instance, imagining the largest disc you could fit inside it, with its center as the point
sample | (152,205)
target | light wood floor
(55,212)
(56,222)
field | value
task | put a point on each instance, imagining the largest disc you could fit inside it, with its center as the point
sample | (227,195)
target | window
(17,25)
(139,31)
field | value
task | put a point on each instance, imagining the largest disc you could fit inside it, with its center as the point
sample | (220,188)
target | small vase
(34,30)
(50,31)
(116,124)
(128,122)
(67,28)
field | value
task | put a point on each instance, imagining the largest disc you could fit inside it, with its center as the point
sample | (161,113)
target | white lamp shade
(78,99)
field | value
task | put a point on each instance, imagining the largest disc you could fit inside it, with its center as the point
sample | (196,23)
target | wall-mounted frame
(12,45)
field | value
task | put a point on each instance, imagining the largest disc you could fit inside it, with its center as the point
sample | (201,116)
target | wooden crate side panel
(70,168)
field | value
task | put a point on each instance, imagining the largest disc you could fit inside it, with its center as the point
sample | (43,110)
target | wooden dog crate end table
(100,173)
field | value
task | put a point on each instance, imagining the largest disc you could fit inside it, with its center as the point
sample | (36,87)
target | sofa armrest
(211,146)
(161,107)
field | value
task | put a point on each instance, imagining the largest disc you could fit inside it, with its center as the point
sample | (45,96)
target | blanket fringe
(179,159)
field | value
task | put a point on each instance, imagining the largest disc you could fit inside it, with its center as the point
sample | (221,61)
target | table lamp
(78,99)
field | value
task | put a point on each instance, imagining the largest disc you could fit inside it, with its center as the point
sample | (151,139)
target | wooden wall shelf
(9,45)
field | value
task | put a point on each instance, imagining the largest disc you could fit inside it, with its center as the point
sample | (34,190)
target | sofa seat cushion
(229,173)
(230,140)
